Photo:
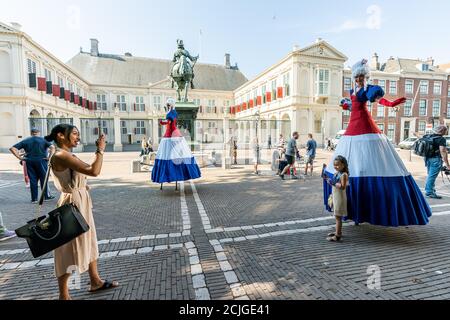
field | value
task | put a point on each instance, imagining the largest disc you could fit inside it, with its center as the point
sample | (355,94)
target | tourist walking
(311,147)
(291,152)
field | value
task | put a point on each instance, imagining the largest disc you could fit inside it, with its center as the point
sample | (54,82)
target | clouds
(372,22)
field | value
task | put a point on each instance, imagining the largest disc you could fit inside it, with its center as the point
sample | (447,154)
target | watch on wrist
(100,151)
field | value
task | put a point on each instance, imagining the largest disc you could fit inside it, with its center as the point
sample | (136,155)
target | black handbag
(60,226)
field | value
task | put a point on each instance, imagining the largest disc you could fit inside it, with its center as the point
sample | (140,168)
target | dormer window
(423,67)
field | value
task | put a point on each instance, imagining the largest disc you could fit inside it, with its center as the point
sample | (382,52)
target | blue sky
(257,34)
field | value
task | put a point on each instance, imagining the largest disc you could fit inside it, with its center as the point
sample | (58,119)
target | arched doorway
(51,122)
(36,120)
(286,126)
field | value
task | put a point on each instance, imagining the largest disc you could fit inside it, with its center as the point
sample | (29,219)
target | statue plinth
(186,116)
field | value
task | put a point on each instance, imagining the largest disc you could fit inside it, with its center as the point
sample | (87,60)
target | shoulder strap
(47,175)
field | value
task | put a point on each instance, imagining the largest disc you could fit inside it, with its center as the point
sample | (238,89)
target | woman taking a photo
(69,174)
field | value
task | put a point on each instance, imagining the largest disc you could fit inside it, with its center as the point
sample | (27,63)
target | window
(263,92)
(436,108)
(140,106)
(391,113)
(422,126)
(425,67)
(286,84)
(274,90)
(211,125)
(382,84)
(409,86)
(393,87)
(120,103)
(407,112)
(101,102)
(79,92)
(347,112)
(423,108)
(345,126)
(391,131)
(60,82)
(347,84)
(448,109)
(322,82)
(448,91)
(369,106)
(381,127)
(48,75)
(437,88)
(103,125)
(211,105)
(255,96)
(380,111)
(123,127)
(197,102)
(157,102)
(424,87)
(70,87)
(31,66)
(140,127)
(317,125)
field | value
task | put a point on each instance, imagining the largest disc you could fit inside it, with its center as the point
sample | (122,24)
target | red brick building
(426,88)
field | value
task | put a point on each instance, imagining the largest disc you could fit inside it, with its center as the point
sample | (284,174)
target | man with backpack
(433,148)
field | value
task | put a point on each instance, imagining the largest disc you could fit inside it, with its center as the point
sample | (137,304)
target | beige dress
(340,202)
(80,252)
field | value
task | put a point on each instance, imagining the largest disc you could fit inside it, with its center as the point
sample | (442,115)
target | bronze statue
(182,73)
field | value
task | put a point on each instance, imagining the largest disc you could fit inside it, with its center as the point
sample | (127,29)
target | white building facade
(121,95)
(299,93)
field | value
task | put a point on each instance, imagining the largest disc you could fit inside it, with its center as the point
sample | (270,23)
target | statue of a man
(180,58)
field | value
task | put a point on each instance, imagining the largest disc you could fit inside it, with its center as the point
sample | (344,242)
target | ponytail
(63,128)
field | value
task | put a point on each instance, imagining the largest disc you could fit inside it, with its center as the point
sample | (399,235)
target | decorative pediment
(5,28)
(323,49)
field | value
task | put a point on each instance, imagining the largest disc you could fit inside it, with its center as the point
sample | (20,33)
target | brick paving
(230,235)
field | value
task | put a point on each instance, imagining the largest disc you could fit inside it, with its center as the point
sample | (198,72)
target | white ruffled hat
(361,68)
(171,102)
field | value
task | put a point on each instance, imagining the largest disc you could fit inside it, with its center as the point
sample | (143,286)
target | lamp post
(257,117)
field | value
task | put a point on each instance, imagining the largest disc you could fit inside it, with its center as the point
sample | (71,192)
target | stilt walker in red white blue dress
(174,161)
(381,191)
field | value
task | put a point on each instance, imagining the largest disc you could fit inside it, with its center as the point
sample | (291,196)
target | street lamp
(257,117)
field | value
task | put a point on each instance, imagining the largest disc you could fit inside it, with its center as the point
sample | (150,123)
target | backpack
(425,147)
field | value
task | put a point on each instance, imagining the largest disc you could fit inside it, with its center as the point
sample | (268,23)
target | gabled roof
(400,65)
(136,71)
(445,67)
(323,48)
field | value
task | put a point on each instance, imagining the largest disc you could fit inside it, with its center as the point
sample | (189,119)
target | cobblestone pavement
(230,235)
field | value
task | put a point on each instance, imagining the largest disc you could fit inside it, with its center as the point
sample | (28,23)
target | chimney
(128,54)
(16,26)
(227,61)
(375,64)
(318,40)
(430,61)
(94,47)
